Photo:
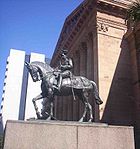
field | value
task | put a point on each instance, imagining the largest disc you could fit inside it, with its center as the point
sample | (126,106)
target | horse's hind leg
(85,112)
(84,97)
(88,106)
(90,111)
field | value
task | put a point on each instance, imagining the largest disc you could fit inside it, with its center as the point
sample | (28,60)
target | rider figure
(66,66)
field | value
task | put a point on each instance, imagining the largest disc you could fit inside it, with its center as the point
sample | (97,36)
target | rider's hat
(64,51)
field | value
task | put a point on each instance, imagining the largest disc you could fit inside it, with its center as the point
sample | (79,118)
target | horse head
(38,70)
(34,71)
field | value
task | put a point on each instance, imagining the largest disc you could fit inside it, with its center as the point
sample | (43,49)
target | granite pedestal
(66,135)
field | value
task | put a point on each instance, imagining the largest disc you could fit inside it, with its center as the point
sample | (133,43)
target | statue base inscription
(66,135)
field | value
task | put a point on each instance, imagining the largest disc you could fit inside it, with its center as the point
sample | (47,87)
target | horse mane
(45,66)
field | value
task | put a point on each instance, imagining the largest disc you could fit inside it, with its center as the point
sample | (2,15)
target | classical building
(104,49)
(93,34)
(133,39)
(19,89)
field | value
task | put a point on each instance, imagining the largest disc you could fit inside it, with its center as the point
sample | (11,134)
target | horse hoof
(90,120)
(99,101)
(38,115)
(81,120)
(49,118)
(53,118)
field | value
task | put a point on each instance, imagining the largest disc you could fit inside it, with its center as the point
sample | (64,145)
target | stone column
(76,72)
(77,63)
(83,67)
(92,67)
(83,59)
(90,58)
(69,99)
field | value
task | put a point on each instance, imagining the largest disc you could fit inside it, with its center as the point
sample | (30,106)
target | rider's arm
(70,63)
(67,66)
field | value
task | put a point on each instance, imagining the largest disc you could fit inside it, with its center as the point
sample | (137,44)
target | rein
(49,72)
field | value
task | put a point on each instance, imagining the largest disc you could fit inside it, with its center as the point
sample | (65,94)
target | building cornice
(75,21)
(112,8)
(118,3)
(72,26)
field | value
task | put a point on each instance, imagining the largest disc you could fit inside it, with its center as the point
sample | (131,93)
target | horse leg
(45,108)
(88,106)
(83,98)
(90,110)
(35,105)
(51,111)
(51,99)
(85,112)
(51,108)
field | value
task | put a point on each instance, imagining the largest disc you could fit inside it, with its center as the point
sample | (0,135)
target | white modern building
(19,89)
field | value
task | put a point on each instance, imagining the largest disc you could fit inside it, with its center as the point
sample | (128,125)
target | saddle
(76,82)
(69,80)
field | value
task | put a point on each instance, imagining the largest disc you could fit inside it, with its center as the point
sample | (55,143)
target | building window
(1,106)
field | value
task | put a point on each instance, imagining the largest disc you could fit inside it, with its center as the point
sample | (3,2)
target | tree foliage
(133,12)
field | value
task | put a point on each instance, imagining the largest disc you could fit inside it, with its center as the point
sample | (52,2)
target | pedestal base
(66,135)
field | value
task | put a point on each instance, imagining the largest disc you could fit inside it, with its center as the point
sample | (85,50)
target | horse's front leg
(35,105)
(51,108)
(51,99)
(51,111)
(52,114)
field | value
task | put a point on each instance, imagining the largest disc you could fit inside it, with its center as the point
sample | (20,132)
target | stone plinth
(66,135)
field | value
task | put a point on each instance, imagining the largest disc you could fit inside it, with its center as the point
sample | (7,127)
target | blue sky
(32,26)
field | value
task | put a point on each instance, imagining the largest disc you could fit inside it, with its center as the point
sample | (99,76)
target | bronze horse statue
(76,86)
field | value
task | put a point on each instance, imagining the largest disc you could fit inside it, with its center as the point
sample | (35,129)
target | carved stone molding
(112,23)
(111,7)
(102,27)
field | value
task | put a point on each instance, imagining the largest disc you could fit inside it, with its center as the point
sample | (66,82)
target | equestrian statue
(61,82)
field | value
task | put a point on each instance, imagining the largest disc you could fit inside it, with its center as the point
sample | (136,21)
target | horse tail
(96,93)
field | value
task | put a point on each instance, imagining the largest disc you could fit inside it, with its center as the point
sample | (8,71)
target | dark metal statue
(65,67)
(61,82)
